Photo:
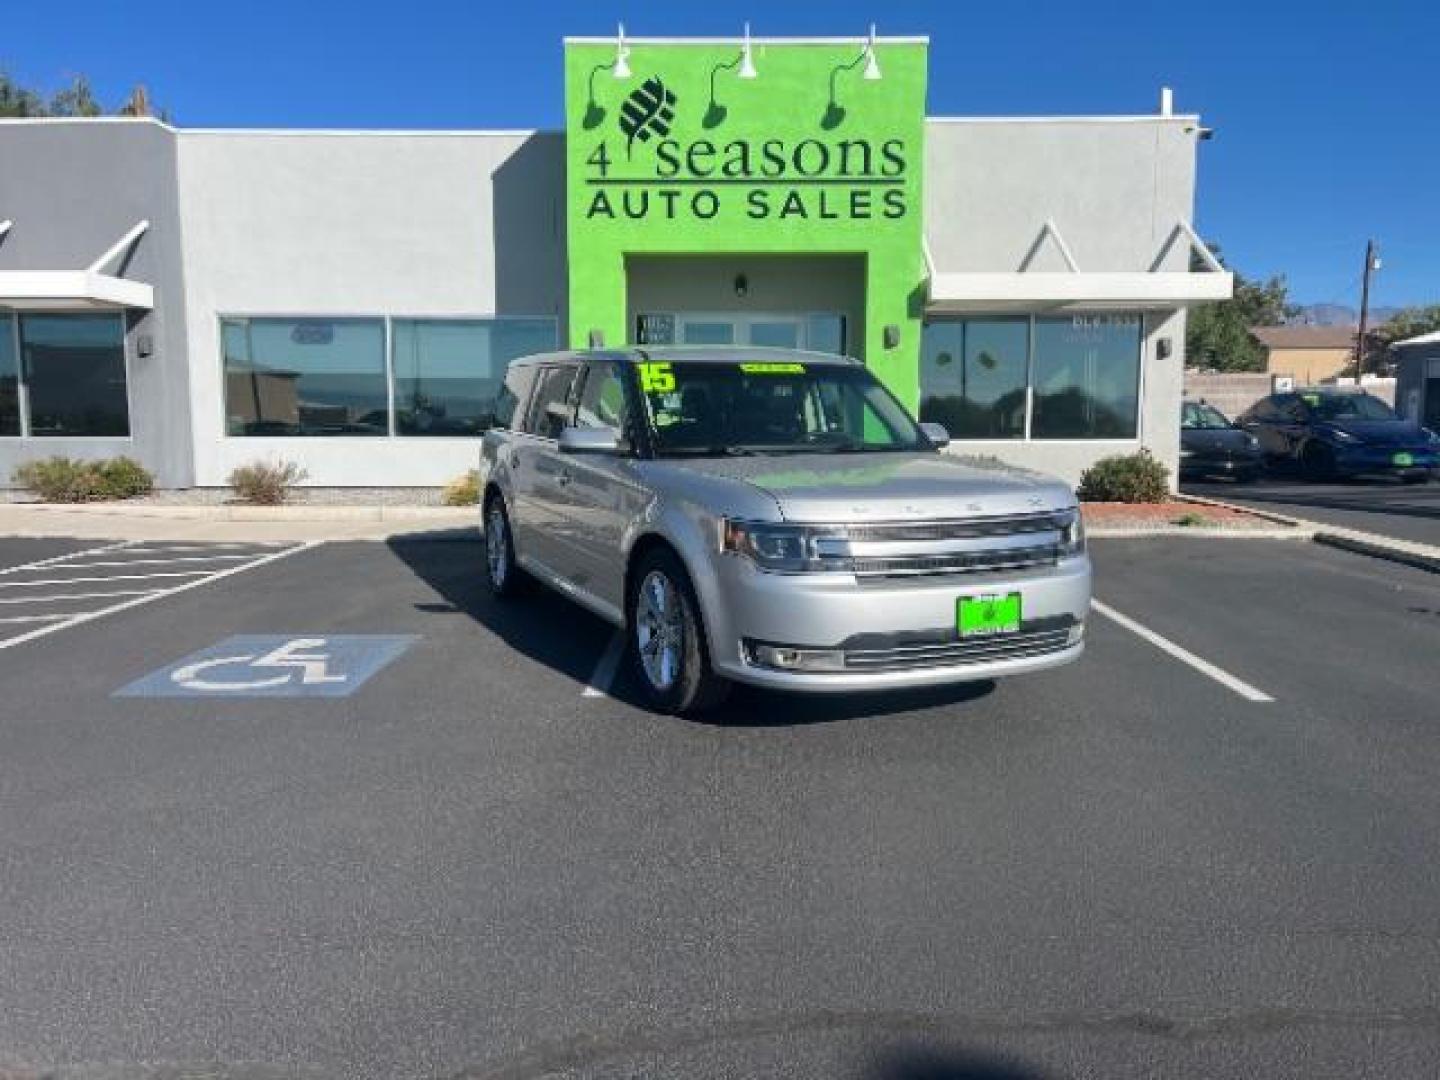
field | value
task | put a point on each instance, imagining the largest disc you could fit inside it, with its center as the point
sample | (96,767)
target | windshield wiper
(706,451)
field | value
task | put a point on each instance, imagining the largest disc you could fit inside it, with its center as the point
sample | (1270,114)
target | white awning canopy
(77,290)
(1074,289)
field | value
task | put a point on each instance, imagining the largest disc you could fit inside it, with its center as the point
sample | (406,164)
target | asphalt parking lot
(440,841)
(1380,505)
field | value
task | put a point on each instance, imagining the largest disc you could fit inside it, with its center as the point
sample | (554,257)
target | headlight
(1252,442)
(1072,536)
(1343,437)
(1430,435)
(774,547)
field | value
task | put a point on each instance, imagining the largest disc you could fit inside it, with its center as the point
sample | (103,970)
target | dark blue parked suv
(1329,433)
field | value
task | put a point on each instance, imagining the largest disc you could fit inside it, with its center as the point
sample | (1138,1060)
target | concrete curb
(1429,563)
(1405,552)
(225,512)
(1131,532)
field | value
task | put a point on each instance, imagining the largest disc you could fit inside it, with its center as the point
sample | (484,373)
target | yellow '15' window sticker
(656,377)
(773,368)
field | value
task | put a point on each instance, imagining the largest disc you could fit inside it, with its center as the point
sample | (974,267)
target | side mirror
(937,434)
(589,440)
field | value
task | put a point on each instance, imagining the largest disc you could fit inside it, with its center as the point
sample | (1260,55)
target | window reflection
(449,373)
(1087,376)
(973,377)
(9,378)
(75,374)
(305,377)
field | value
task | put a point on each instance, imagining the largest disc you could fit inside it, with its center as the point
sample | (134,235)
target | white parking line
(110,577)
(1184,655)
(70,620)
(68,555)
(604,673)
(42,599)
(162,562)
(32,618)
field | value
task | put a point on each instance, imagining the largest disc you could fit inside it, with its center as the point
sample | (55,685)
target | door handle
(514,459)
(563,478)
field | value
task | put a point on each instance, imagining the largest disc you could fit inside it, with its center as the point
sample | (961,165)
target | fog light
(1076,635)
(789,658)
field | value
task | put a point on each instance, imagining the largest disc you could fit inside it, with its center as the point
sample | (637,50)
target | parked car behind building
(1210,445)
(1329,432)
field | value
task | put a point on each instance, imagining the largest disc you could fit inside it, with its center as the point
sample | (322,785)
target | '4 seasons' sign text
(648,175)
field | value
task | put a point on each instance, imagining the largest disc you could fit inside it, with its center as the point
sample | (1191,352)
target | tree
(15,100)
(1411,322)
(76,99)
(1218,335)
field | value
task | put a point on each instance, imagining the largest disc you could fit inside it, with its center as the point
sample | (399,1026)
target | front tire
(667,638)
(502,574)
(1318,461)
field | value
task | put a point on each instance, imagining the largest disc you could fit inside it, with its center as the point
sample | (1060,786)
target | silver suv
(777,518)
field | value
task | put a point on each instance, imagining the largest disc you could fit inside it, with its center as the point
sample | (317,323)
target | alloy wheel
(497,545)
(660,630)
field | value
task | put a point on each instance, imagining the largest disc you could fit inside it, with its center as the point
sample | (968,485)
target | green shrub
(1127,478)
(265,483)
(124,478)
(66,480)
(463,490)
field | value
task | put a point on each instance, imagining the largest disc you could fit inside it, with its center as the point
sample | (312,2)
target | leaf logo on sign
(648,111)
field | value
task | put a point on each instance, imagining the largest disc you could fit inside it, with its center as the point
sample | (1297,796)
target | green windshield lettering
(773,368)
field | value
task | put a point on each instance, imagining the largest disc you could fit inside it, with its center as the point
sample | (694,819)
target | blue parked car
(1330,433)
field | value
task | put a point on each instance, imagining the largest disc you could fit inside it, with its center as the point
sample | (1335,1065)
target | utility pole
(1372,263)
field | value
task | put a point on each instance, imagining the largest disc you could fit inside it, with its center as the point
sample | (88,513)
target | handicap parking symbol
(274,665)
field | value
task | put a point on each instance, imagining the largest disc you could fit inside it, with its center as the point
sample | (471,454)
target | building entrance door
(818,331)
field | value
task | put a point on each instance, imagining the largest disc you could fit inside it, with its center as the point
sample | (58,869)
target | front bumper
(1381,459)
(1219,464)
(894,633)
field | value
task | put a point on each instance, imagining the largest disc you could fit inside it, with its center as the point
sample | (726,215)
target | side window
(550,408)
(1292,409)
(515,390)
(602,401)
(1264,411)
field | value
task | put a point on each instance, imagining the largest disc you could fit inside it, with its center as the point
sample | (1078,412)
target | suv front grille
(967,562)
(963,546)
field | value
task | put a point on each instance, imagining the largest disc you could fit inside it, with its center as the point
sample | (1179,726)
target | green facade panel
(810,157)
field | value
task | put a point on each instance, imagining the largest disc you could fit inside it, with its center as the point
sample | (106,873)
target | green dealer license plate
(981,615)
(1404,460)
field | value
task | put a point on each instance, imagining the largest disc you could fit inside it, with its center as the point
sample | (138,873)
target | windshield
(1348,407)
(771,407)
(1202,418)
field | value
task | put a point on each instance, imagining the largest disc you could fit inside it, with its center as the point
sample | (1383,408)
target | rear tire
(666,634)
(502,574)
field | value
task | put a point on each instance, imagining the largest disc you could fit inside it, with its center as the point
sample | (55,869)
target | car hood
(888,486)
(1379,432)
(1210,440)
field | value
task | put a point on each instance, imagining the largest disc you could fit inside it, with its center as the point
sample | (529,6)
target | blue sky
(1320,109)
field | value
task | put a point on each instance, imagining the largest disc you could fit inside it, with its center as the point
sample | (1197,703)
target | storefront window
(449,372)
(972,377)
(1087,377)
(1085,372)
(9,378)
(75,374)
(305,376)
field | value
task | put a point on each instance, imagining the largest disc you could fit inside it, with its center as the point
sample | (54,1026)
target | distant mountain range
(1340,315)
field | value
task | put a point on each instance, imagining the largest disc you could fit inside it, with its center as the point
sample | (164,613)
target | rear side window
(516,389)
(550,408)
